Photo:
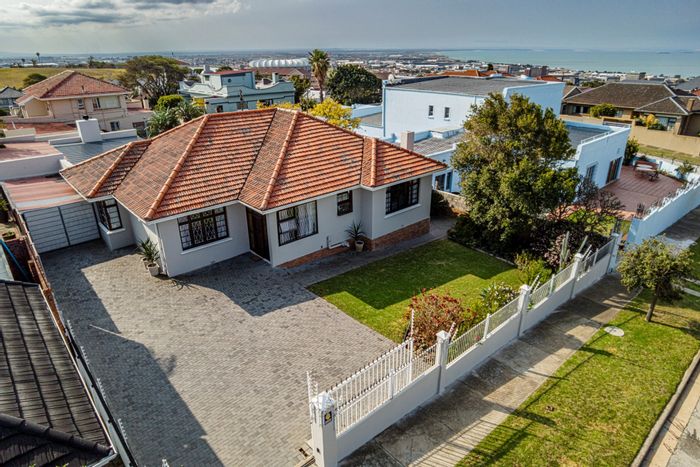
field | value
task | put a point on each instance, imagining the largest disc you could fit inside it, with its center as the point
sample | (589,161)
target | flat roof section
(78,152)
(373,120)
(434,145)
(14,151)
(578,133)
(464,85)
(27,194)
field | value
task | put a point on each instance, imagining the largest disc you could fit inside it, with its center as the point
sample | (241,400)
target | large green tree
(33,78)
(320,65)
(152,75)
(353,84)
(510,165)
(654,265)
(301,87)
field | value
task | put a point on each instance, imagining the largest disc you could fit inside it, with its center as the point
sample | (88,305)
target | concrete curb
(663,418)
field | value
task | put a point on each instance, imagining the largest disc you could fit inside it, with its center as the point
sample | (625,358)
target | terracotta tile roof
(69,83)
(265,158)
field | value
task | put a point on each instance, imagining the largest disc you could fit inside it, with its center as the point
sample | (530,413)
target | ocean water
(686,64)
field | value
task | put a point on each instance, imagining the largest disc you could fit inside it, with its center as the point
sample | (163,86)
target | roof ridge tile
(278,165)
(110,170)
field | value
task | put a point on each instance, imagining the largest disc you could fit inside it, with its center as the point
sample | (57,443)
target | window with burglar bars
(344,203)
(401,196)
(202,228)
(297,222)
(108,214)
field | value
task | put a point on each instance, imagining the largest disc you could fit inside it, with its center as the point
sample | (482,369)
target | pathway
(444,431)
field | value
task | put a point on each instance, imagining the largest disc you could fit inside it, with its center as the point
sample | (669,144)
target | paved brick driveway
(208,369)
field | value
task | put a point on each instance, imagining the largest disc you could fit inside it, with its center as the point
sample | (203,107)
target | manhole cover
(614,331)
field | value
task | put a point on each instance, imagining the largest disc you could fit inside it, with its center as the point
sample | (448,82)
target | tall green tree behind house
(153,75)
(320,65)
(654,265)
(510,165)
(301,87)
(170,101)
(353,84)
(33,78)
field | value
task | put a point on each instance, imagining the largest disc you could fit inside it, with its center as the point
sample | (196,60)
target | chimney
(407,138)
(275,78)
(89,130)
(690,104)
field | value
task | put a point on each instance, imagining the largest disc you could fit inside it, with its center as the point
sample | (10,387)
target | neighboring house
(599,152)
(676,110)
(70,95)
(229,91)
(692,86)
(278,183)
(8,96)
(47,418)
(445,102)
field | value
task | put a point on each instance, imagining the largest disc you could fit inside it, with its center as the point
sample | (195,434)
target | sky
(106,26)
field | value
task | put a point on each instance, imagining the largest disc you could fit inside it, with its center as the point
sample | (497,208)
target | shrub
(656,126)
(465,232)
(494,297)
(439,205)
(650,120)
(631,151)
(532,269)
(434,312)
(685,169)
(170,101)
(603,110)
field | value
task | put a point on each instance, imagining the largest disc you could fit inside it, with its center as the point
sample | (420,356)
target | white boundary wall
(397,383)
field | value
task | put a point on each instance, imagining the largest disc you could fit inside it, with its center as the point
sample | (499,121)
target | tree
(161,121)
(631,151)
(170,101)
(335,114)
(603,110)
(301,87)
(489,67)
(320,64)
(654,265)
(224,68)
(38,56)
(510,165)
(595,207)
(353,84)
(156,76)
(33,78)
(188,110)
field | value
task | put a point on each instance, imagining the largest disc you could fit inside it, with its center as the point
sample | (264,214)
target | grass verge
(668,154)
(378,294)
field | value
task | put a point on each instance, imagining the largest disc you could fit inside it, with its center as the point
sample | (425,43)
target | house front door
(257,234)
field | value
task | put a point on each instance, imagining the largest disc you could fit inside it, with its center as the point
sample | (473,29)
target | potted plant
(4,210)
(356,234)
(685,169)
(149,252)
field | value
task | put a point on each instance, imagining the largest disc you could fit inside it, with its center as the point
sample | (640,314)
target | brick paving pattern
(209,368)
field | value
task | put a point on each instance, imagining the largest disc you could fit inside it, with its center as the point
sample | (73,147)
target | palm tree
(320,64)
(161,121)
(187,111)
(38,56)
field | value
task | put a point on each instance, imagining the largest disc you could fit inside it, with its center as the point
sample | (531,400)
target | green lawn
(599,407)
(669,154)
(378,294)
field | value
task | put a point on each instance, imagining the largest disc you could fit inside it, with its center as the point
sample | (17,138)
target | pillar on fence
(523,306)
(323,430)
(441,350)
(575,271)
(612,261)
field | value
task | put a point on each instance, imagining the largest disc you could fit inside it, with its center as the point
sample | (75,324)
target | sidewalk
(444,431)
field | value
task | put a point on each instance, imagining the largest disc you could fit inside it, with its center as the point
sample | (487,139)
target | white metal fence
(376,386)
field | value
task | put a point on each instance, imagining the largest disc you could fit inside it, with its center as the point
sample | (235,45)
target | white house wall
(119,238)
(176,261)
(601,152)
(383,223)
(331,229)
(25,167)
(546,95)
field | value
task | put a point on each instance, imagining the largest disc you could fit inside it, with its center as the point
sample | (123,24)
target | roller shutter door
(62,226)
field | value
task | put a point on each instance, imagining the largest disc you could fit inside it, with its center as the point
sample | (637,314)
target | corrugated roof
(46,417)
(265,158)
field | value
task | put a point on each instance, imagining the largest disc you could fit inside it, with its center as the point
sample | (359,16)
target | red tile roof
(265,158)
(69,83)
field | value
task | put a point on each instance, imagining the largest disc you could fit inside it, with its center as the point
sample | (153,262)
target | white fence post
(578,262)
(612,261)
(323,437)
(523,306)
(441,350)
(487,322)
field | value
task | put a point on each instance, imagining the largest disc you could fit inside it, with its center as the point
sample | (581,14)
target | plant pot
(154,269)
(9,235)
(359,245)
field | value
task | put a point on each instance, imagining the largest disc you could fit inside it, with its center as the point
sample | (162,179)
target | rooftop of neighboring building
(264,158)
(464,85)
(674,105)
(9,93)
(69,83)
(27,194)
(41,128)
(435,144)
(689,85)
(78,152)
(30,149)
(373,120)
(578,133)
(625,94)
(47,416)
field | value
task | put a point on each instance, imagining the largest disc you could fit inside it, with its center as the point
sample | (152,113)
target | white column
(323,438)
(523,306)
(612,262)
(443,346)
(578,262)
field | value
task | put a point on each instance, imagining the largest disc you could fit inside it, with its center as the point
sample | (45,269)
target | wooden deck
(633,190)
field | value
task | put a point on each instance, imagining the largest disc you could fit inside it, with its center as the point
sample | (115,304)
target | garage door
(61,226)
